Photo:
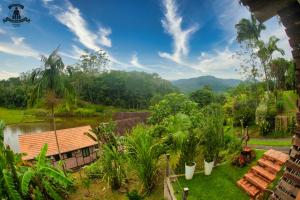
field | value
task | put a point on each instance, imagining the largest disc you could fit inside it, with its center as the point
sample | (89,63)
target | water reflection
(11,132)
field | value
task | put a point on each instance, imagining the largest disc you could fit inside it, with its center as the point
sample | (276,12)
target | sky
(175,38)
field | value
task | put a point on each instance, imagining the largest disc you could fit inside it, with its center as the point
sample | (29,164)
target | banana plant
(43,181)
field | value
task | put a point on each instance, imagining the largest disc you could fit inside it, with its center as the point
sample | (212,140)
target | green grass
(271,142)
(13,116)
(221,184)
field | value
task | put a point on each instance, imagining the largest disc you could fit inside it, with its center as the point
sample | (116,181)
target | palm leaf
(56,176)
(41,159)
(38,194)
(27,177)
(10,187)
(51,191)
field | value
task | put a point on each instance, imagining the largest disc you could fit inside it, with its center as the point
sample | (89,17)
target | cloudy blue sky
(174,38)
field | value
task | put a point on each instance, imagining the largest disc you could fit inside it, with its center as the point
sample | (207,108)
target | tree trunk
(56,139)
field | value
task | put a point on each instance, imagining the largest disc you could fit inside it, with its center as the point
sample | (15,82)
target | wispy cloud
(6,75)
(18,47)
(72,18)
(172,24)
(135,62)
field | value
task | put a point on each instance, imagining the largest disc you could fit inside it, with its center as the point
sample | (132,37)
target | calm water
(11,132)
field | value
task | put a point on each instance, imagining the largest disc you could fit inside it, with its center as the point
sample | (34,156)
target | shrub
(143,151)
(95,170)
(280,106)
(244,109)
(113,163)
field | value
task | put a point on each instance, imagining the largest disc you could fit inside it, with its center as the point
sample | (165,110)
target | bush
(94,171)
(244,109)
(280,106)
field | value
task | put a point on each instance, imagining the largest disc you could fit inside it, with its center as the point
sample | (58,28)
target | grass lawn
(271,142)
(13,116)
(221,184)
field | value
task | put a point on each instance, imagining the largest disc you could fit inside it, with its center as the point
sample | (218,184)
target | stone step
(266,163)
(256,180)
(264,172)
(248,187)
(276,156)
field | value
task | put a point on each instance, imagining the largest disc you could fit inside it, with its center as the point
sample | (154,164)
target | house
(76,148)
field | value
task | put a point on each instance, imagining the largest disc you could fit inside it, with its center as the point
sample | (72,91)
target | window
(69,155)
(56,157)
(85,152)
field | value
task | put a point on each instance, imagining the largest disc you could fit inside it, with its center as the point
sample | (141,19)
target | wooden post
(185,193)
(168,165)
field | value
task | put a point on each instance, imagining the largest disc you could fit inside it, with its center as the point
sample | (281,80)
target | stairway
(259,177)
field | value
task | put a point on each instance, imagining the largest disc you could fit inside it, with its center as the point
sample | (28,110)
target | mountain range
(217,84)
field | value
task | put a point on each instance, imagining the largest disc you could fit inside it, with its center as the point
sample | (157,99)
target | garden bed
(221,184)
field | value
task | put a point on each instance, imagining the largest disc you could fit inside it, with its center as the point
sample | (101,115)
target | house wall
(77,159)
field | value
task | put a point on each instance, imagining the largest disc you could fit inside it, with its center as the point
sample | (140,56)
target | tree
(278,69)
(249,30)
(45,180)
(172,104)
(202,97)
(265,53)
(104,134)
(49,82)
(248,33)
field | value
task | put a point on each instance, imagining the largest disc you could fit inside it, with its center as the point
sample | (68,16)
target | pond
(11,132)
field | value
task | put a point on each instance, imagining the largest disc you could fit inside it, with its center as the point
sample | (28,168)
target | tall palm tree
(248,30)
(49,83)
(265,54)
(44,180)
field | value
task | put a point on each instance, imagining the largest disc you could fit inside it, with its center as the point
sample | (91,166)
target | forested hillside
(216,84)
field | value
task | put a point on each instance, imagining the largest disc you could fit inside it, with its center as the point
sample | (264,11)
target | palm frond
(51,191)
(10,186)
(56,176)
(41,159)
(27,177)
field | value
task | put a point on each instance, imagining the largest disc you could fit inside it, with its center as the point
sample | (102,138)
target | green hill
(217,84)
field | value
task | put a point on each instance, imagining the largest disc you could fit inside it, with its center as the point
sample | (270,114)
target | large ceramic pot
(208,166)
(189,170)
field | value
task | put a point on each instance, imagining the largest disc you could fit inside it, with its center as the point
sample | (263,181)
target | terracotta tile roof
(69,139)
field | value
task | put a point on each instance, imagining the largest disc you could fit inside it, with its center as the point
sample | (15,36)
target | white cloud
(6,75)
(229,13)
(104,39)
(135,62)
(217,62)
(172,24)
(18,47)
(71,17)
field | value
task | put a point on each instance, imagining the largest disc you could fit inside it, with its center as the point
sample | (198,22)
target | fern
(50,191)
(26,181)
(10,187)
(56,176)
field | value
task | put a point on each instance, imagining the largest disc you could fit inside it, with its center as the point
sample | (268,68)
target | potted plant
(184,140)
(213,135)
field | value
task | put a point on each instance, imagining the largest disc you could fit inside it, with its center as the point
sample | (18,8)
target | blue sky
(174,38)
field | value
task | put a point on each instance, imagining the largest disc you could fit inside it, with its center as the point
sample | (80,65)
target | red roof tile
(68,139)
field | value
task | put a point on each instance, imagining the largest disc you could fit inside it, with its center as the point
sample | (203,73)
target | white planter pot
(208,166)
(189,171)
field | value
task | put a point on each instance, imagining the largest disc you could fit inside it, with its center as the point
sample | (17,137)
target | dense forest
(91,82)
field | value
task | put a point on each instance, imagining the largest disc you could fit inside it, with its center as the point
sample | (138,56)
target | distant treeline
(136,90)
